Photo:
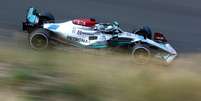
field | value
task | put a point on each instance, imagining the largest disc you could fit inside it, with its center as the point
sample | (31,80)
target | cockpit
(108,28)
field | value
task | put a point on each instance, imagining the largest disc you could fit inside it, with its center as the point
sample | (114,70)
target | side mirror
(159,37)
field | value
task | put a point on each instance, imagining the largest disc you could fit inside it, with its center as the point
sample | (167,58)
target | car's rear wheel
(39,39)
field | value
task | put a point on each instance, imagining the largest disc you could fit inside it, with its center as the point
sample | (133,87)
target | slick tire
(38,39)
(141,54)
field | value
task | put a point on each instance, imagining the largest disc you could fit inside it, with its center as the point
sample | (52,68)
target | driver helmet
(115,24)
(109,28)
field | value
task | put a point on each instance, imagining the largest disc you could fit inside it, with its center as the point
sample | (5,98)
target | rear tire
(39,40)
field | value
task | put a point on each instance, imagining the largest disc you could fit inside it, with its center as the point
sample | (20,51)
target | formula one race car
(86,32)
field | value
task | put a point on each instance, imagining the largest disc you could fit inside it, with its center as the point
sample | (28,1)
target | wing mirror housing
(159,37)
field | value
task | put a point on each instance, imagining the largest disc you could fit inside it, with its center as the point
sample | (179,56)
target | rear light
(159,37)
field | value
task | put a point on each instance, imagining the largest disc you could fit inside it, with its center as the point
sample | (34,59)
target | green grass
(93,76)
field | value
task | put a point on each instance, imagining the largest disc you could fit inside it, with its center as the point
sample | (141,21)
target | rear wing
(32,16)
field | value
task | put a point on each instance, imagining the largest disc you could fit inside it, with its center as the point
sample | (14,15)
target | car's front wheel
(141,54)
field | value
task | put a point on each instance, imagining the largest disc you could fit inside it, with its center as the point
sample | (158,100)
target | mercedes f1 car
(86,32)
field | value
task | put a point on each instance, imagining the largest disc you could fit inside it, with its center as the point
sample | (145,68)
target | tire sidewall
(41,32)
(136,58)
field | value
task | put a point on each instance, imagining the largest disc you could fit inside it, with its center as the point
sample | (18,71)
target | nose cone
(171,49)
(170,58)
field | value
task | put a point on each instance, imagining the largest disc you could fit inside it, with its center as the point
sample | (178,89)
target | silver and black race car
(86,32)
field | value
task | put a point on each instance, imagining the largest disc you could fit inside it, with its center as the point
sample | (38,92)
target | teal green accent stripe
(98,46)
(120,43)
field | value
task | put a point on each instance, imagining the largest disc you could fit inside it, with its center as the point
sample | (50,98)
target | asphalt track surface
(179,20)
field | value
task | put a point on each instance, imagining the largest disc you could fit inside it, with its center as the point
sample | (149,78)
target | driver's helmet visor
(115,23)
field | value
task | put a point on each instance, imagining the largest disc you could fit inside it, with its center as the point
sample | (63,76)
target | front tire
(141,54)
(39,40)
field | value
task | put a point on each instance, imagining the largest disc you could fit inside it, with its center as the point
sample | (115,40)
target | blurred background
(72,74)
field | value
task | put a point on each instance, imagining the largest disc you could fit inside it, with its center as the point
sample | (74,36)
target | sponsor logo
(74,30)
(53,27)
(75,39)
(79,32)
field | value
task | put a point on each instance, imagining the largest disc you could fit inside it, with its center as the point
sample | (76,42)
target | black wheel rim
(39,41)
